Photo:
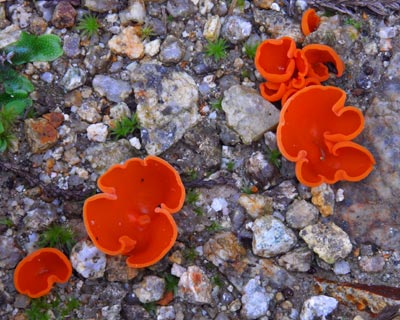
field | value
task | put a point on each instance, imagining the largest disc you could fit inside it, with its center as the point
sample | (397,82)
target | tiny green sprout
(250,50)
(216,104)
(57,236)
(171,283)
(40,309)
(214,226)
(192,174)
(147,32)
(190,254)
(192,197)
(353,22)
(170,18)
(230,166)
(274,156)
(88,25)
(216,281)
(6,222)
(150,307)
(216,49)
(240,4)
(125,126)
(198,211)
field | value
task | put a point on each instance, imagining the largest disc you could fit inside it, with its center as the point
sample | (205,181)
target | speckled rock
(328,241)
(172,50)
(194,286)
(298,260)
(64,15)
(180,8)
(127,43)
(318,306)
(87,260)
(118,270)
(271,237)
(371,264)
(104,155)
(341,267)
(119,111)
(151,48)
(223,248)
(301,214)
(166,313)
(10,254)
(248,113)
(150,289)
(97,59)
(256,205)
(167,105)
(212,28)
(135,12)
(41,135)
(113,89)
(71,45)
(97,132)
(102,5)
(324,198)
(259,168)
(236,29)
(73,78)
(111,312)
(89,111)
(41,217)
(9,35)
(283,195)
(255,300)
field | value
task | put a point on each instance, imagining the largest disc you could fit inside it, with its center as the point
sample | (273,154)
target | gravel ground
(253,243)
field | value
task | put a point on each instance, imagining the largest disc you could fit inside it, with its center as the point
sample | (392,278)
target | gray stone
(73,78)
(328,241)
(172,50)
(166,313)
(318,306)
(298,260)
(10,255)
(103,5)
(135,12)
(89,111)
(180,8)
(371,264)
(41,216)
(87,260)
(167,105)
(113,89)
(341,267)
(283,195)
(255,300)
(150,289)
(236,29)
(248,113)
(194,286)
(259,168)
(97,59)
(271,237)
(104,155)
(97,132)
(300,214)
(111,312)
(71,45)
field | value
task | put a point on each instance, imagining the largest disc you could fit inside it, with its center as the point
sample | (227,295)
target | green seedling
(57,236)
(150,307)
(214,227)
(216,104)
(147,32)
(216,281)
(198,211)
(240,4)
(171,283)
(192,197)
(192,174)
(216,49)
(250,50)
(88,25)
(190,254)
(356,24)
(15,89)
(125,126)
(6,222)
(230,166)
(274,156)
(39,309)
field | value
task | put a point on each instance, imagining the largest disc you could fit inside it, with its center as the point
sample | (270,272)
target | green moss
(57,236)
(171,283)
(216,104)
(214,227)
(192,197)
(88,25)
(125,126)
(250,50)
(216,49)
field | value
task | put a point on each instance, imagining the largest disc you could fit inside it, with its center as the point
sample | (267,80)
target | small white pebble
(97,132)
(135,142)
(218,204)
(275,7)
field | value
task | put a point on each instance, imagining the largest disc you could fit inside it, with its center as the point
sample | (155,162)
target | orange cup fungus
(315,131)
(133,214)
(309,22)
(37,272)
(288,69)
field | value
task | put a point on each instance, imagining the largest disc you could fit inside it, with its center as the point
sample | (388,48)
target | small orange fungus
(133,215)
(315,131)
(309,22)
(35,275)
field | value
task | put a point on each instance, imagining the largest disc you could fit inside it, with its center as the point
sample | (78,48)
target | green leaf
(1,127)
(19,85)
(3,144)
(18,105)
(31,48)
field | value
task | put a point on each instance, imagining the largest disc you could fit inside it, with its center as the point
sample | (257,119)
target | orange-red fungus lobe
(36,274)
(310,21)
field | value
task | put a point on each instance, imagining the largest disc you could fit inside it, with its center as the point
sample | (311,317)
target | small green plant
(147,32)
(88,25)
(15,88)
(353,22)
(240,4)
(190,254)
(150,307)
(230,166)
(274,156)
(171,283)
(250,50)
(192,197)
(6,222)
(216,49)
(198,211)
(192,174)
(125,126)
(57,236)
(216,104)
(39,308)
(214,227)
(216,281)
